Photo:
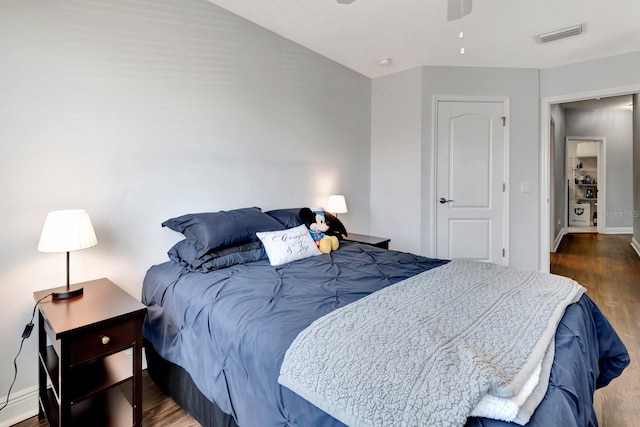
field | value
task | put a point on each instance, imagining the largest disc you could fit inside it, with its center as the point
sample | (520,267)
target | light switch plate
(525,187)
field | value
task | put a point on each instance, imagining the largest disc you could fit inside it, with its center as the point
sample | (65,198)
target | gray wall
(585,77)
(396,144)
(616,127)
(520,86)
(141,113)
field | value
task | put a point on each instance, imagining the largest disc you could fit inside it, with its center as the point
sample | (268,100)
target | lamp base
(67,294)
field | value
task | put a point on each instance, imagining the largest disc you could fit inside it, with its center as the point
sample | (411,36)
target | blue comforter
(230,329)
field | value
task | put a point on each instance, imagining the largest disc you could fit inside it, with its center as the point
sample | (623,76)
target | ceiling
(624,102)
(497,33)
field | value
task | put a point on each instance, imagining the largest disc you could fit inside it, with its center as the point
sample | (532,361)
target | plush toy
(335,226)
(320,230)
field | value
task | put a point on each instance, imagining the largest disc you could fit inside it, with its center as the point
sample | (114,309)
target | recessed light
(384,61)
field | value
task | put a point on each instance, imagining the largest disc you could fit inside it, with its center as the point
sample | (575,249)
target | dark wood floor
(609,268)
(159,410)
(605,264)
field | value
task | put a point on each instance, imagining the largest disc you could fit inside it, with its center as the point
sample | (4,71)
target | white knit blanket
(426,350)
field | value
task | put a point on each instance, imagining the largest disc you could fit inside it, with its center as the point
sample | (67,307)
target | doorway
(546,222)
(586,186)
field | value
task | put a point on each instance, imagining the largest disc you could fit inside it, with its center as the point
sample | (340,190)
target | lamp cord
(25,334)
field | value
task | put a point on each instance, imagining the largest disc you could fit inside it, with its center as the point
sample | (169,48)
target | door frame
(552,195)
(544,257)
(601,177)
(505,100)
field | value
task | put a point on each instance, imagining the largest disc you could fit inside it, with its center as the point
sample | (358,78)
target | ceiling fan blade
(456,9)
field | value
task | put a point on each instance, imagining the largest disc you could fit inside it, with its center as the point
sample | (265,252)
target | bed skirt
(176,383)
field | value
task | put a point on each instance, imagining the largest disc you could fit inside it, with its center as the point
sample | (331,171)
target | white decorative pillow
(284,246)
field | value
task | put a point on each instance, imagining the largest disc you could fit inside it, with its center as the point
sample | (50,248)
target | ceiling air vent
(559,34)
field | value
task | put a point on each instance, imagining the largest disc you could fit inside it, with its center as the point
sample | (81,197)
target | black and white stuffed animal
(334,226)
(325,229)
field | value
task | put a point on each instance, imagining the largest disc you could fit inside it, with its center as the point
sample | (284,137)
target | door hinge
(504,187)
(504,121)
(503,253)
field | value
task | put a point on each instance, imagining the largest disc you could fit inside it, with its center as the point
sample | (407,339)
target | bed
(222,319)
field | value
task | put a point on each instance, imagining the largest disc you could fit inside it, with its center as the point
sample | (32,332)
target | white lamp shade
(337,204)
(66,231)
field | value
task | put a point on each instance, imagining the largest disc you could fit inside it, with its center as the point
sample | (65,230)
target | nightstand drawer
(101,341)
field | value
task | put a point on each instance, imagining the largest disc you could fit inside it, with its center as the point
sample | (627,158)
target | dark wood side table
(81,347)
(381,242)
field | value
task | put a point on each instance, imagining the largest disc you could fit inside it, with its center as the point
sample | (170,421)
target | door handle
(443,200)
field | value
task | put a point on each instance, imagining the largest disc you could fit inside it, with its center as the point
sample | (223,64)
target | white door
(471,171)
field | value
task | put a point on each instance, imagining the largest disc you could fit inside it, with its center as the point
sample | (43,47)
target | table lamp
(336,204)
(66,231)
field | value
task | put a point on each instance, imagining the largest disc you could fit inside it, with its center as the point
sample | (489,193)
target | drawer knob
(105,339)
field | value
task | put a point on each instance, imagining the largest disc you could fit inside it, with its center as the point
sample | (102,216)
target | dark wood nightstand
(81,347)
(380,242)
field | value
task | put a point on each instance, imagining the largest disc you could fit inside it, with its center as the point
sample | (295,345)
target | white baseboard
(559,237)
(22,405)
(129,353)
(635,245)
(618,230)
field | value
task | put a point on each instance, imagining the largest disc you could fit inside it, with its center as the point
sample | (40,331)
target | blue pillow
(287,217)
(185,254)
(216,230)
